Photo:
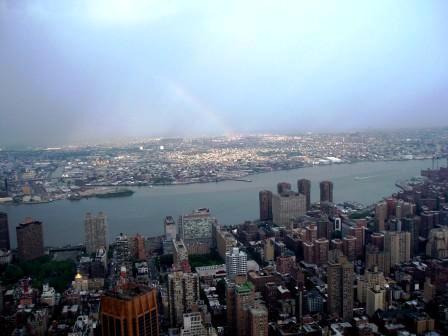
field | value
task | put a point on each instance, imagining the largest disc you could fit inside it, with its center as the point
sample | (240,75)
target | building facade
(130,311)
(304,188)
(286,207)
(30,240)
(4,232)
(95,228)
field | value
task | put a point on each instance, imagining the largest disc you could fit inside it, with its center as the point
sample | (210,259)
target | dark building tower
(340,288)
(130,311)
(265,197)
(4,232)
(283,187)
(304,188)
(326,191)
(30,240)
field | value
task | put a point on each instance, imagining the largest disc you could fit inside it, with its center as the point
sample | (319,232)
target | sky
(92,70)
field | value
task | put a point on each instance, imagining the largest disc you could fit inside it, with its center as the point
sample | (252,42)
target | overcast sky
(90,70)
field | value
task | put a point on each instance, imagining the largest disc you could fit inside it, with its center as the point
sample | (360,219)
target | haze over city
(80,71)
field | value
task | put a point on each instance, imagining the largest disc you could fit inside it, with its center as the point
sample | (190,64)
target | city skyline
(201,69)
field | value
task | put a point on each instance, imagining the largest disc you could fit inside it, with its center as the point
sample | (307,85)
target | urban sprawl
(73,172)
(302,268)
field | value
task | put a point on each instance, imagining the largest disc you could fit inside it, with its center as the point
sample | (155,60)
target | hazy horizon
(92,71)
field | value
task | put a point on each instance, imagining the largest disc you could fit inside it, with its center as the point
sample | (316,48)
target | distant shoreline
(242,178)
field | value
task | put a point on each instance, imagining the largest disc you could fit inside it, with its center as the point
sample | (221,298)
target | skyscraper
(326,191)
(304,188)
(287,206)
(380,215)
(236,263)
(170,228)
(398,246)
(195,230)
(95,228)
(283,187)
(130,311)
(239,297)
(180,257)
(30,240)
(4,232)
(265,199)
(183,293)
(340,287)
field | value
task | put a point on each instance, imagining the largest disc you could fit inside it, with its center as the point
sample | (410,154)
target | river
(231,202)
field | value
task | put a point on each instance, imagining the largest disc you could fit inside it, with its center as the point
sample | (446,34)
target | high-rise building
(321,248)
(180,257)
(370,279)
(30,240)
(239,297)
(225,241)
(130,311)
(398,245)
(340,278)
(358,231)
(286,207)
(265,199)
(381,215)
(349,247)
(236,263)
(304,188)
(311,232)
(268,249)
(4,232)
(195,230)
(377,239)
(410,224)
(183,293)
(170,228)
(258,320)
(375,299)
(95,228)
(326,191)
(377,257)
(308,252)
(283,187)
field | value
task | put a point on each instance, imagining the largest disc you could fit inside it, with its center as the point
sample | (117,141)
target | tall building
(236,263)
(287,206)
(183,293)
(238,298)
(321,248)
(375,299)
(398,245)
(95,228)
(340,278)
(265,199)
(410,224)
(130,311)
(304,188)
(225,241)
(170,228)
(180,257)
(4,232)
(283,187)
(326,191)
(195,230)
(370,279)
(349,247)
(381,215)
(258,320)
(30,240)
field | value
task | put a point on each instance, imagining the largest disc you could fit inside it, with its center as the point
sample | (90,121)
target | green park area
(58,274)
